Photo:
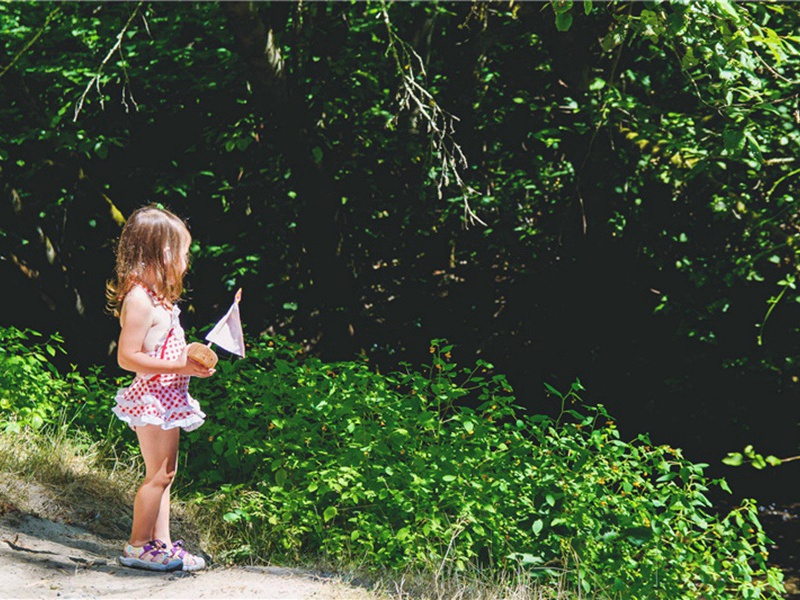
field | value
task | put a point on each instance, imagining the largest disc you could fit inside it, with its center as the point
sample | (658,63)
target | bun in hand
(202,354)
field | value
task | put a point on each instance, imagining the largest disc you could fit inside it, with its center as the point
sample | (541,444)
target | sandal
(191,562)
(153,556)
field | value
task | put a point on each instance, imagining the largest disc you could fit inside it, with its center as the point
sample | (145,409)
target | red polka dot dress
(162,399)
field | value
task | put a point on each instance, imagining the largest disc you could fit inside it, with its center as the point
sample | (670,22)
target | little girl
(152,259)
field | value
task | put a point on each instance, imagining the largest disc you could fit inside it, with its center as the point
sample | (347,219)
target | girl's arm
(136,318)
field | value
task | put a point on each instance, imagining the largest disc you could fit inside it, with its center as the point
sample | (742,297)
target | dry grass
(475,584)
(63,476)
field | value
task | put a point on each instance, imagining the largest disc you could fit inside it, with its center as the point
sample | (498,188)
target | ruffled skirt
(166,404)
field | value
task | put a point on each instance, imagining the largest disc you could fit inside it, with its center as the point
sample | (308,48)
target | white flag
(227,334)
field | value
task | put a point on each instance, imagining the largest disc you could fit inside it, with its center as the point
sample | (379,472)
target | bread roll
(202,354)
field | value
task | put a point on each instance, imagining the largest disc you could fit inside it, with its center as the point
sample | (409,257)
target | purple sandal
(191,562)
(153,556)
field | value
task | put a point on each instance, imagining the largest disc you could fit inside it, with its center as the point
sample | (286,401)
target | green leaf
(329,513)
(598,84)
(733,459)
(638,535)
(527,559)
(231,517)
(733,138)
(552,390)
(280,477)
(563,21)
(729,9)
(562,6)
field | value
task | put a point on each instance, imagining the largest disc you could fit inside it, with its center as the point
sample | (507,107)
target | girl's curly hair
(147,233)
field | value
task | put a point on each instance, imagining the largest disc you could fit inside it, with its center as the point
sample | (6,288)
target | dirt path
(44,559)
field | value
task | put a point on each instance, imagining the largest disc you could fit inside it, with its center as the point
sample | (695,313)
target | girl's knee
(161,478)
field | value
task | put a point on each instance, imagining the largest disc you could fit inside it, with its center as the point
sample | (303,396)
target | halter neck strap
(160,300)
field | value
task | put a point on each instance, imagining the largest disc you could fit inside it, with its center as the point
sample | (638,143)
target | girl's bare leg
(160,452)
(161,529)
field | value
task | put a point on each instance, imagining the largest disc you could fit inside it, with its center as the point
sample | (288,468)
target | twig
(460,526)
(127,84)
(15,546)
(769,68)
(773,302)
(439,123)
(146,25)
(96,79)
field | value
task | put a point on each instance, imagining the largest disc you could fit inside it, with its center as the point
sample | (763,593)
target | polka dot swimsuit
(163,399)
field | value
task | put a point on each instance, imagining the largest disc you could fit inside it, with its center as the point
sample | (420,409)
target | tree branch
(96,79)
(439,123)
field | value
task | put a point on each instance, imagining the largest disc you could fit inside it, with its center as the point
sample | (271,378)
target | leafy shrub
(33,393)
(31,388)
(441,468)
(432,470)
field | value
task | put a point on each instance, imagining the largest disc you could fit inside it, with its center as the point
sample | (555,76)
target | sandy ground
(40,558)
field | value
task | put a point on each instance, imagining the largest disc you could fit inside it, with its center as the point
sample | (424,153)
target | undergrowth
(433,471)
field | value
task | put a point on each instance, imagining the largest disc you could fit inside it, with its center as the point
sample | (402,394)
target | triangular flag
(227,334)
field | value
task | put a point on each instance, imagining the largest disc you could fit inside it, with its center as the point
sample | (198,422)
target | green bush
(433,469)
(31,388)
(33,393)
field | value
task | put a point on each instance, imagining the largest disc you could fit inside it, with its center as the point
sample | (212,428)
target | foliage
(436,469)
(660,158)
(635,164)
(32,388)
(440,468)
(757,460)
(35,393)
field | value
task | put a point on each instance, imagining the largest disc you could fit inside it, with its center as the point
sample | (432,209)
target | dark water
(782,524)
(775,491)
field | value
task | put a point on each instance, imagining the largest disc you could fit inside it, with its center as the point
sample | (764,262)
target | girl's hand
(190,367)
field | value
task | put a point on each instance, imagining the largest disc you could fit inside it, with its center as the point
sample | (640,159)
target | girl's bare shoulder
(136,301)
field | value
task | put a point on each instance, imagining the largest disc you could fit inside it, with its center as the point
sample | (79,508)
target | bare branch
(439,123)
(126,87)
(146,25)
(96,79)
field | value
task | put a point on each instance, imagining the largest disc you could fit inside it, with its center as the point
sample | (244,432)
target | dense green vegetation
(433,470)
(568,190)
(633,164)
